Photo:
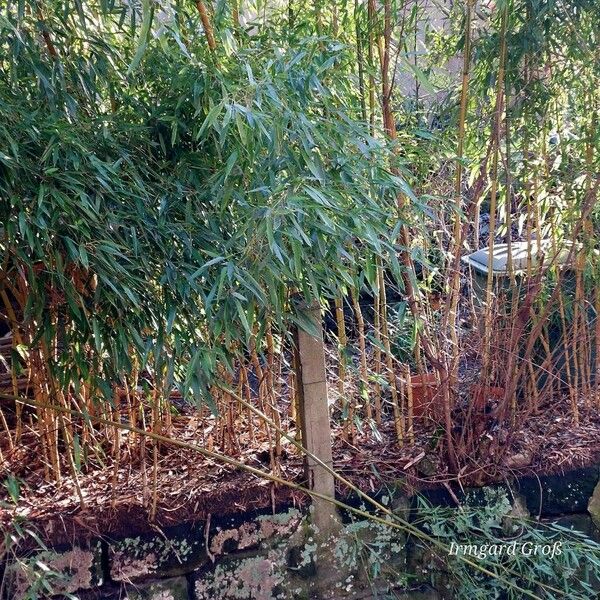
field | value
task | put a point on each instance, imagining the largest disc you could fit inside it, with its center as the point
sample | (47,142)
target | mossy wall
(283,557)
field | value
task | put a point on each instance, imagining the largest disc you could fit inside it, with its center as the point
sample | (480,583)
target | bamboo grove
(174,176)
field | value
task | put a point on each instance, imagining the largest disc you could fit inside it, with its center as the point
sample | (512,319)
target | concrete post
(314,418)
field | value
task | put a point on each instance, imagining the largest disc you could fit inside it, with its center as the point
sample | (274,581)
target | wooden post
(314,417)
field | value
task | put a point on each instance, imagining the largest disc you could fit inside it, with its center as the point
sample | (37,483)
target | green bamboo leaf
(147,17)
(304,320)
(230,164)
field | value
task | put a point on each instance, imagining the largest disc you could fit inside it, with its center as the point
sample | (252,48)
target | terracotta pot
(424,392)
(481,394)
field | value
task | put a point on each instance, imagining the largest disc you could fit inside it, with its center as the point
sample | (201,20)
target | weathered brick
(65,572)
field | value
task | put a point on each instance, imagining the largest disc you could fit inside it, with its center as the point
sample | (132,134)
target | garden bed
(191,487)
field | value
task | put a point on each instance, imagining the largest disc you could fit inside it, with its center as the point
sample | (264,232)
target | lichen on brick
(251,533)
(133,558)
(253,578)
(66,572)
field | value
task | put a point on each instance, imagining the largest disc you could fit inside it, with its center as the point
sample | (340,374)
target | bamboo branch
(207,25)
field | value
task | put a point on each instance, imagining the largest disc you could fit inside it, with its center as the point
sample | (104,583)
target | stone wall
(282,556)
